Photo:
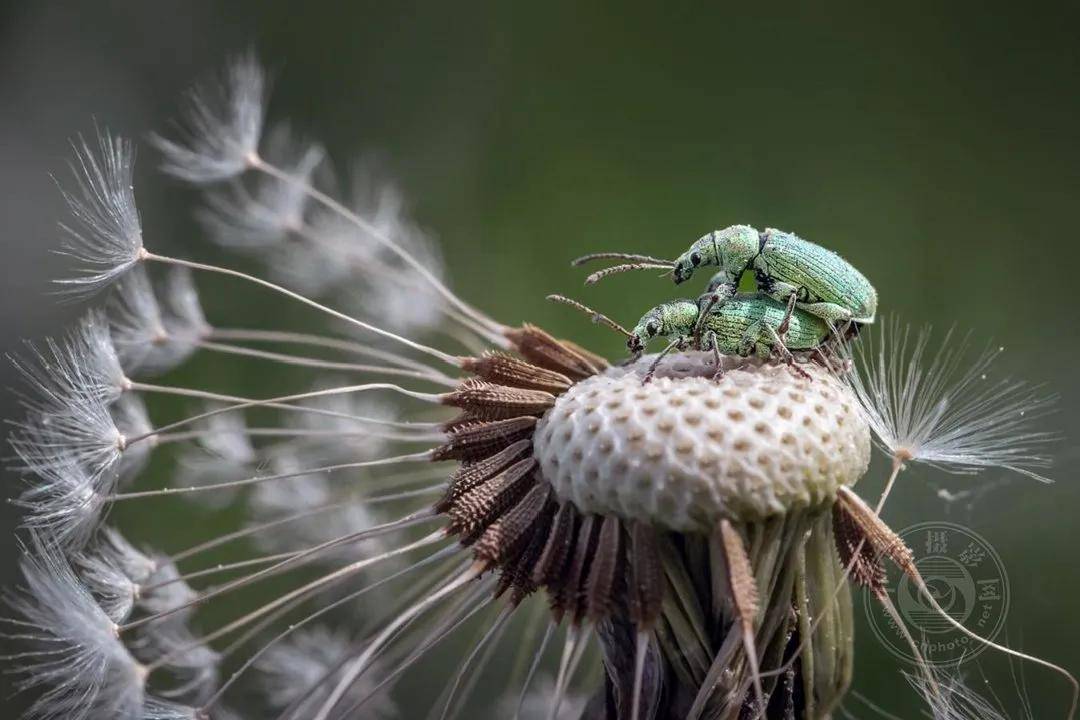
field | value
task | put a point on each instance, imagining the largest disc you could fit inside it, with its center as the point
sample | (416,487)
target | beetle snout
(681,272)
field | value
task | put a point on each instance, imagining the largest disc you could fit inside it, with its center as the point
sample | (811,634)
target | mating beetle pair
(804,292)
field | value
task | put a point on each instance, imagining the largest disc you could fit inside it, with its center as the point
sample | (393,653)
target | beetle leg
(709,342)
(780,349)
(722,292)
(782,328)
(656,363)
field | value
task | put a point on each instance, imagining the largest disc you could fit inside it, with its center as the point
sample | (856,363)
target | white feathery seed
(389,289)
(224,435)
(68,420)
(132,420)
(192,666)
(83,364)
(138,331)
(221,452)
(940,407)
(114,572)
(266,211)
(164,591)
(114,591)
(65,505)
(951,699)
(153,332)
(78,660)
(105,236)
(340,438)
(332,256)
(158,709)
(182,314)
(221,126)
(311,657)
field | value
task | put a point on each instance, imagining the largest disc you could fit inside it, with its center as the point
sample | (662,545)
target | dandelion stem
(331,343)
(358,665)
(413,457)
(237,534)
(569,647)
(897,466)
(537,658)
(438,555)
(438,354)
(288,432)
(407,521)
(280,556)
(641,645)
(257,163)
(491,632)
(310,362)
(299,592)
(280,402)
(449,621)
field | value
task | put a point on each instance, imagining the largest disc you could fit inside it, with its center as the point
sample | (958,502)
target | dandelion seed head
(79,662)
(105,233)
(684,450)
(937,407)
(220,128)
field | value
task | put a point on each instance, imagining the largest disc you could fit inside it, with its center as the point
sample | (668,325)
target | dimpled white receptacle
(685,450)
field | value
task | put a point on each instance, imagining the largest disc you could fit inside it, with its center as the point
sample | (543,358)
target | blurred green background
(935,146)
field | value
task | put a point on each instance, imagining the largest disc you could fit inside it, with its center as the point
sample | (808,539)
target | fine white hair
(105,234)
(78,659)
(221,126)
(941,408)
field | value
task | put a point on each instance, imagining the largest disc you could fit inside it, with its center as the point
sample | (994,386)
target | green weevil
(784,265)
(744,325)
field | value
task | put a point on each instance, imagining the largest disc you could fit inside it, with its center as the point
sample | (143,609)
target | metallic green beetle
(823,283)
(744,325)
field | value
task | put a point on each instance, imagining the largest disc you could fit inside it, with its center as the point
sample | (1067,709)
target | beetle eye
(695,259)
(652,328)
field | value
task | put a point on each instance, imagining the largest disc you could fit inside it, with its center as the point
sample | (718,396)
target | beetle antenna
(619,256)
(596,317)
(614,269)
